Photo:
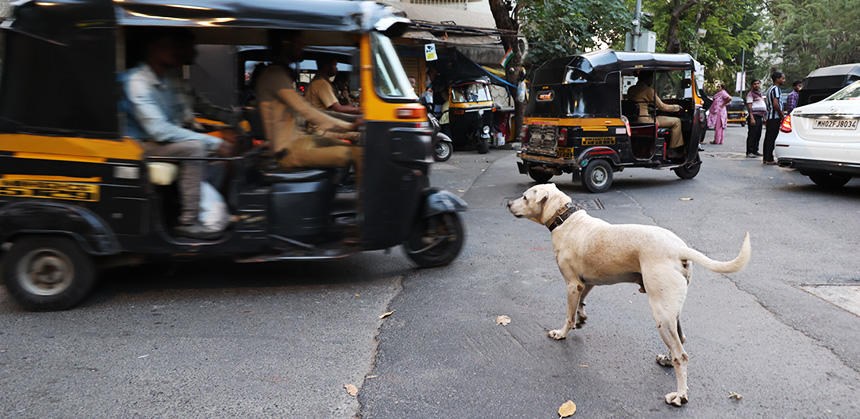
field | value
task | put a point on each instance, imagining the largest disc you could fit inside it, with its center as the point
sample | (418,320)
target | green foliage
(809,34)
(557,28)
(730,27)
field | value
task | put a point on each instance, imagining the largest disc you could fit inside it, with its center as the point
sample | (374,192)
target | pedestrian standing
(791,100)
(756,111)
(774,116)
(717,115)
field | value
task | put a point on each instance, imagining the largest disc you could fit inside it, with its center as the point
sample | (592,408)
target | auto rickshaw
(76,194)
(736,112)
(579,120)
(471,113)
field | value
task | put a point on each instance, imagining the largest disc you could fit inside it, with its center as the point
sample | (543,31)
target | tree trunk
(673,44)
(505,15)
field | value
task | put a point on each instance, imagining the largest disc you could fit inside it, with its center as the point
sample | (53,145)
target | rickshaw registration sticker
(22,188)
(598,140)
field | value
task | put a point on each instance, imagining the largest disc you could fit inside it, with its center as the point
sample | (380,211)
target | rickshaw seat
(161,173)
(296,177)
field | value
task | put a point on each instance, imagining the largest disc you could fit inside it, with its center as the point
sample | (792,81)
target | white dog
(590,252)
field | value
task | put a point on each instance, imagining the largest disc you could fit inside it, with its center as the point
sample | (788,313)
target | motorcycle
(442,144)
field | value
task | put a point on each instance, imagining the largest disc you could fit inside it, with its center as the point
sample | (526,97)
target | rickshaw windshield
(577,99)
(472,92)
(389,79)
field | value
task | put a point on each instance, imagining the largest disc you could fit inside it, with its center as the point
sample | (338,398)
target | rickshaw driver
(280,104)
(321,92)
(156,115)
(643,95)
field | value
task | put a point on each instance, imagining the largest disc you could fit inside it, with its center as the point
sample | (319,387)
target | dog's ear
(541,195)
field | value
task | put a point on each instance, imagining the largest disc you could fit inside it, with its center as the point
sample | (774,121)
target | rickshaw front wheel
(435,241)
(597,176)
(689,170)
(47,273)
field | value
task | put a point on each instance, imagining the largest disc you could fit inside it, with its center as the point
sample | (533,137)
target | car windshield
(388,76)
(472,92)
(850,92)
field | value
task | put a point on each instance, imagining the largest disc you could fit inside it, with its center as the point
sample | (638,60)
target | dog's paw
(664,360)
(580,320)
(676,399)
(556,334)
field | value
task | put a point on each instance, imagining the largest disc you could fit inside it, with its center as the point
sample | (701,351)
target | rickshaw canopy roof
(594,66)
(48,19)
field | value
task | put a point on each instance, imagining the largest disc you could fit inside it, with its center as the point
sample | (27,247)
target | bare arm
(298,104)
(337,107)
(776,106)
(664,107)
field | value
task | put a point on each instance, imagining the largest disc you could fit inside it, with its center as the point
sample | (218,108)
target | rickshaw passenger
(157,112)
(280,104)
(643,95)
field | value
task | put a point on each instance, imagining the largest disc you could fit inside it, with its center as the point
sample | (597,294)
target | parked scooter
(442,144)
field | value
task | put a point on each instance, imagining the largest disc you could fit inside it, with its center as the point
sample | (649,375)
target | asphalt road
(212,338)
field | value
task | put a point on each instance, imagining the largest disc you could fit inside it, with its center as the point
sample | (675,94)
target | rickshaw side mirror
(687,83)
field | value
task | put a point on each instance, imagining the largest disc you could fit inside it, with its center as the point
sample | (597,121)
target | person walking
(791,100)
(774,116)
(717,115)
(756,111)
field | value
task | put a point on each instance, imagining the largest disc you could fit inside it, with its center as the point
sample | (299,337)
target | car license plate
(836,124)
(565,152)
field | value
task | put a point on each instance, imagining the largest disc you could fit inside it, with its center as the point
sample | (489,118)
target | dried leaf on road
(736,396)
(371,377)
(567,409)
(583,365)
(351,389)
(384,315)
(686,199)
(503,320)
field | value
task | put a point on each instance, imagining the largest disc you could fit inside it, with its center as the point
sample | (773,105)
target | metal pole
(637,27)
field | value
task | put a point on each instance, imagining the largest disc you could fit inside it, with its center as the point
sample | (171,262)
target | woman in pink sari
(717,116)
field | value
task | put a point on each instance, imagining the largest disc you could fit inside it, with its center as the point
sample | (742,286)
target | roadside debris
(351,389)
(503,320)
(686,199)
(567,409)
(384,315)
(736,396)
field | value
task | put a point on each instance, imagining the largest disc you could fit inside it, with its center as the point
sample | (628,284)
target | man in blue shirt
(774,116)
(157,115)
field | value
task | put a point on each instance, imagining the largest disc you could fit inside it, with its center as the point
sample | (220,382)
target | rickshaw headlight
(486,129)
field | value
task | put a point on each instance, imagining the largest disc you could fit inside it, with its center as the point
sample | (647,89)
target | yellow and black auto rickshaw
(471,113)
(736,112)
(580,120)
(76,193)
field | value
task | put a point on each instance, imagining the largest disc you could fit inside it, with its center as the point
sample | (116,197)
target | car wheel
(829,180)
(48,273)
(436,241)
(539,176)
(689,170)
(597,176)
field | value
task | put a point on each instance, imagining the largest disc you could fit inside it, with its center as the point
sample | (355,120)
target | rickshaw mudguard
(440,201)
(598,152)
(56,218)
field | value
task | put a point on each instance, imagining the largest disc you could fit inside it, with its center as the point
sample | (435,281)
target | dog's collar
(561,215)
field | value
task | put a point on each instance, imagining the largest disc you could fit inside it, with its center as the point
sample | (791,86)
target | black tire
(743,124)
(48,273)
(483,146)
(539,176)
(597,176)
(442,151)
(829,180)
(446,227)
(689,170)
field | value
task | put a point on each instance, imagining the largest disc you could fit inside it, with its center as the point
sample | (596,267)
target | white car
(821,140)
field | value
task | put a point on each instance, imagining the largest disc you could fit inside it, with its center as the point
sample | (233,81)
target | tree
(809,34)
(673,45)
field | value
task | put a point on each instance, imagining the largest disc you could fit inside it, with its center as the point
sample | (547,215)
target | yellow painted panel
(69,148)
(54,178)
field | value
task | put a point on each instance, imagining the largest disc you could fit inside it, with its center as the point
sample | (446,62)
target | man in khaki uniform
(321,92)
(643,94)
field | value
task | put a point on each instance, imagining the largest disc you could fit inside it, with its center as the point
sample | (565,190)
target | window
(669,84)
(472,92)
(850,92)
(389,78)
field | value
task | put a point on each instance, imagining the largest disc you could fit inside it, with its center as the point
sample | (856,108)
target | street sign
(430,52)
(740,81)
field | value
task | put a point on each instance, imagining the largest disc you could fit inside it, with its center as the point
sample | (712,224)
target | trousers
(754,134)
(190,173)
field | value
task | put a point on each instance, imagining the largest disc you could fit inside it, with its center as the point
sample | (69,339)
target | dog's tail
(734,265)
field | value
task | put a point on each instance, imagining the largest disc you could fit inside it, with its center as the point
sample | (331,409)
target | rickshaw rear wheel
(435,241)
(539,176)
(597,176)
(689,170)
(47,273)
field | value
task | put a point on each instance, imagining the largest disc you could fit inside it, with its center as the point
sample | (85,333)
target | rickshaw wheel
(597,176)
(690,170)
(539,176)
(435,241)
(47,273)
(483,147)
(442,151)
